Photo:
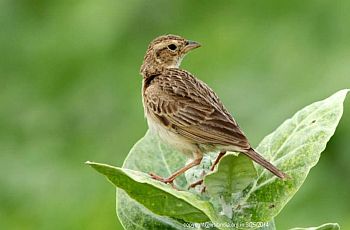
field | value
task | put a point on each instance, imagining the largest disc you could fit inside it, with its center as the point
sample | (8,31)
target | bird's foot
(164,180)
(168,180)
(195,184)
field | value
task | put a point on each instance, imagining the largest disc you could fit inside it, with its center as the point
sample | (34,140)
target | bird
(185,112)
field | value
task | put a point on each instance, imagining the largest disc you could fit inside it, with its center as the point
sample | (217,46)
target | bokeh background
(70,92)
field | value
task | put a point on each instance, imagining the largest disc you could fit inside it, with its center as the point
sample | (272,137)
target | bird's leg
(197,160)
(217,160)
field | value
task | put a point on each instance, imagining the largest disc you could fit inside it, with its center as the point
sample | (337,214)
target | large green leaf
(156,196)
(294,147)
(329,226)
(227,184)
(233,175)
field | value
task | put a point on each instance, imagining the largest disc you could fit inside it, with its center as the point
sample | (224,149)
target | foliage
(235,194)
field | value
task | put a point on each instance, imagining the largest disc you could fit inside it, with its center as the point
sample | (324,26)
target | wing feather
(190,108)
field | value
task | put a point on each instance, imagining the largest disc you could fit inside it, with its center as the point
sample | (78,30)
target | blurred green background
(70,92)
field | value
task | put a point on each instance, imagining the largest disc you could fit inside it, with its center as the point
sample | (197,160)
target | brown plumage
(184,111)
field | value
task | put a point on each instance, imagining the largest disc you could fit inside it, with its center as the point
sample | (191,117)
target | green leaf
(133,215)
(226,184)
(329,226)
(294,147)
(233,174)
(158,197)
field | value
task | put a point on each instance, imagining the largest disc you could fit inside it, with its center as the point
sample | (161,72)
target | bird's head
(166,51)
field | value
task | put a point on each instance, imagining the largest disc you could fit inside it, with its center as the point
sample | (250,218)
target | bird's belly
(173,139)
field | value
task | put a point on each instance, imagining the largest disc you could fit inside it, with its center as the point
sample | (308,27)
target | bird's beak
(190,45)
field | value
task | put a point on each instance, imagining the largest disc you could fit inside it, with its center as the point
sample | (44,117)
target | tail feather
(251,153)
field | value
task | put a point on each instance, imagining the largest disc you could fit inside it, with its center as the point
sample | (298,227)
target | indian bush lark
(185,112)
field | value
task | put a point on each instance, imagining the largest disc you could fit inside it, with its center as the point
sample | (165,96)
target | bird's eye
(172,47)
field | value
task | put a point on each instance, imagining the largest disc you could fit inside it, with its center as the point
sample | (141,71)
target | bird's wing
(187,106)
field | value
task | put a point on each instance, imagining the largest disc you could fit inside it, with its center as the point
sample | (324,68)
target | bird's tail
(251,153)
